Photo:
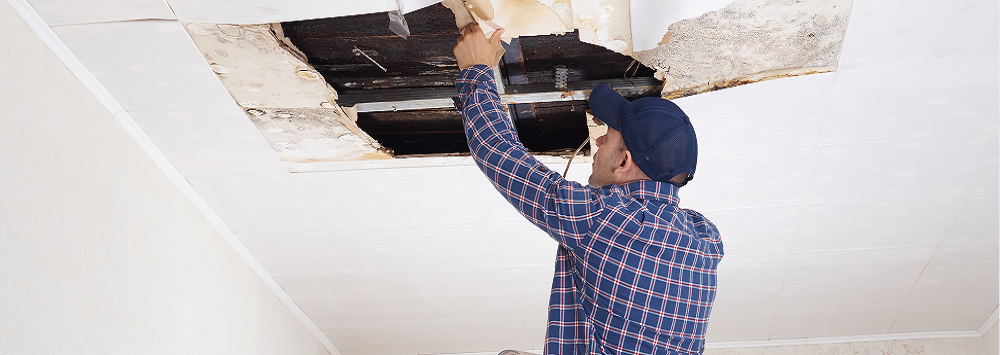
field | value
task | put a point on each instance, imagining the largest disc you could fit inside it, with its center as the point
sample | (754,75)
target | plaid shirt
(634,273)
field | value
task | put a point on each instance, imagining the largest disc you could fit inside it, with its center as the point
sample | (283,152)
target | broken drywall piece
(527,18)
(463,17)
(260,69)
(285,97)
(305,135)
(747,41)
(651,19)
(604,23)
(563,9)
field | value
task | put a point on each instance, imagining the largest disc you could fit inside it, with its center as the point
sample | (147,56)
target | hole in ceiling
(403,88)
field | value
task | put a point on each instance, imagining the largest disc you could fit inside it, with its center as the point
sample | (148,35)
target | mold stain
(284,96)
(749,41)
(719,85)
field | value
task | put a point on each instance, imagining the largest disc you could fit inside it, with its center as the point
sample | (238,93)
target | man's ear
(624,159)
(628,169)
(626,166)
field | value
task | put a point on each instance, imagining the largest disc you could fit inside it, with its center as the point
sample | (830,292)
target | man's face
(609,154)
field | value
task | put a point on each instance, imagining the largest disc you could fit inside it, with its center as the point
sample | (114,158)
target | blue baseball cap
(657,133)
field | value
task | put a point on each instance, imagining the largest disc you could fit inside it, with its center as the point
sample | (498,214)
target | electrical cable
(574,155)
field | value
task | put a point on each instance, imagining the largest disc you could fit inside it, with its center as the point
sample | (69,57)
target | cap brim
(606,103)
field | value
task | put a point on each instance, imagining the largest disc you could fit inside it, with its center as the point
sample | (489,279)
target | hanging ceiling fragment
(288,101)
(748,41)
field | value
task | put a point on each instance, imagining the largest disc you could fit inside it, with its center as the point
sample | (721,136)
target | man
(635,274)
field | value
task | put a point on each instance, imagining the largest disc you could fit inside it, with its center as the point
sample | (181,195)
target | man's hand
(473,48)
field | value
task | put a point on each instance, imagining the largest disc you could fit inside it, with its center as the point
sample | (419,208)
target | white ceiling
(858,202)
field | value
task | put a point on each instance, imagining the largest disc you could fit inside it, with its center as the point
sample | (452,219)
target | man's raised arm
(560,207)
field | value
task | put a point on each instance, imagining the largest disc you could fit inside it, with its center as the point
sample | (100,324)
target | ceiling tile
(147,65)
(897,169)
(300,253)
(856,268)
(759,272)
(761,116)
(519,242)
(840,312)
(742,315)
(438,290)
(747,296)
(421,247)
(268,11)
(897,31)
(64,12)
(464,329)
(535,311)
(970,264)
(579,173)
(209,143)
(978,221)
(873,224)
(365,333)
(320,296)
(259,203)
(493,204)
(535,279)
(756,230)
(940,307)
(531,285)
(988,178)
(891,103)
(392,197)
(751,179)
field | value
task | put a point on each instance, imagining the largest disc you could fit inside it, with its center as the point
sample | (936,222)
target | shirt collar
(652,190)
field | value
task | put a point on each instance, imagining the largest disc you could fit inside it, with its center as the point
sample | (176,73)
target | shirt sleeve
(562,208)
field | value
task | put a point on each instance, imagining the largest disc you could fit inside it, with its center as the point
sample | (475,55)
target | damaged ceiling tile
(696,46)
(257,68)
(650,19)
(285,97)
(600,22)
(306,135)
(748,41)
(290,98)
(604,23)
(528,18)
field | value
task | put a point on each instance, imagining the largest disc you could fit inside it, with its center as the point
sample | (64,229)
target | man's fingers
(495,38)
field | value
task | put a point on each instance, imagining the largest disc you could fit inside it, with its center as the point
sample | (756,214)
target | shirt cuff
(472,78)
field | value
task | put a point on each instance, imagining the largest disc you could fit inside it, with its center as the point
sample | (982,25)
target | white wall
(99,252)
(991,340)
